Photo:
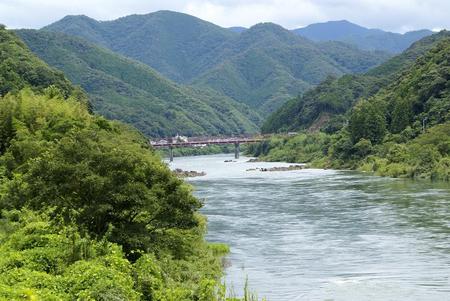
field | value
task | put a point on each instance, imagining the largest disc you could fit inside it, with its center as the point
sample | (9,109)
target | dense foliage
(132,92)
(200,151)
(320,107)
(403,130)
(316,107)
(97,175)
(261,67)
(364,38)
(89,212)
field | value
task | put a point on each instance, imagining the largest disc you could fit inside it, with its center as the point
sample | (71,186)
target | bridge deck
(206,142)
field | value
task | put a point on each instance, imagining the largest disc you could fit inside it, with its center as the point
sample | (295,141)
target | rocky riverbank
(279,168)
(188,174)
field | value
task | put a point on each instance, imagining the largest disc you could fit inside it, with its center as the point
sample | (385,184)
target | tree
(7,131)
(94,172)
(363,148)
(402,115)
(367,121)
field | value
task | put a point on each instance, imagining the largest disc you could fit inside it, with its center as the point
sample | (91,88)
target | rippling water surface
(326,235)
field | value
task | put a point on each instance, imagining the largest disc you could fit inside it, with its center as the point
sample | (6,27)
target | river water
(326,235)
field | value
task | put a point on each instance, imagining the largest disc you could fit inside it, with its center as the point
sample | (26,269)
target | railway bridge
(203,141)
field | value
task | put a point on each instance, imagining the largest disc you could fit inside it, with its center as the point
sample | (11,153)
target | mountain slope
(335,96)
(402,130)
(20,68)
(237,29)
(20,72)
(332,31)
(421,93)
(364,38)
(179,46)
(262,66)
(126,90)
(267,64)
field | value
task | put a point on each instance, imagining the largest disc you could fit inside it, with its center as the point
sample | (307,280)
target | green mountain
(363,38)
(20,68)
(320,107)
(267,64)
(177,45)
(401,129)
(262,66)
(126,90)
(419,96)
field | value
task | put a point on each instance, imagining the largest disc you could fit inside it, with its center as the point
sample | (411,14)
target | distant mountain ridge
(364,38)
(124,89)
(266,63)
(179,46)
(262,66)
(238,29)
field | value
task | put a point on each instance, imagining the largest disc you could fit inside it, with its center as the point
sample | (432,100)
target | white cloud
(394,15)
(289,13)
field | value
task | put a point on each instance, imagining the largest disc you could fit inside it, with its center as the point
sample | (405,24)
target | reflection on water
(324,234)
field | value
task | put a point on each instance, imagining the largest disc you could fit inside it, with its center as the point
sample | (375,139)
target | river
(324,234)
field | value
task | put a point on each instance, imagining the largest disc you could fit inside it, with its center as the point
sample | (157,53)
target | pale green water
(326,235)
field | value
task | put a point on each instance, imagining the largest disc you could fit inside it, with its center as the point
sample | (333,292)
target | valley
(253,72)
(340,134)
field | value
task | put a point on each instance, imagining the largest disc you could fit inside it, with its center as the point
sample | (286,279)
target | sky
(390,15)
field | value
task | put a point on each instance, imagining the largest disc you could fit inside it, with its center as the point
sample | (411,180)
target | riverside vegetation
(398,118)
(88,211)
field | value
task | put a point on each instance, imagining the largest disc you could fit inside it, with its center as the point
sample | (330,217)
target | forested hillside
(267,63)
(126,90)
(19,68)
(403,130)
(322,106)
(363,38)
(262,66)
(179,46)
(87,210)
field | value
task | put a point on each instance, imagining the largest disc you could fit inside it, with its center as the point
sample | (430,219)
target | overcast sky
(392,15)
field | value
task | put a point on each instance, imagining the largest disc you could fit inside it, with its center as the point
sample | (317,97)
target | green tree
(95,172)
(367,121)
(402,115)
(363,148)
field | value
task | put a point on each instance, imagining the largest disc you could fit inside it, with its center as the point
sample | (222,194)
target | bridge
(203,141)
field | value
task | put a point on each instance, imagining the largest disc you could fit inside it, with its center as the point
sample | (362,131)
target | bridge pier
(236,150)
(171,153)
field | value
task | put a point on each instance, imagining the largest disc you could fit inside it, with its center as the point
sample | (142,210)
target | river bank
(427,156)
